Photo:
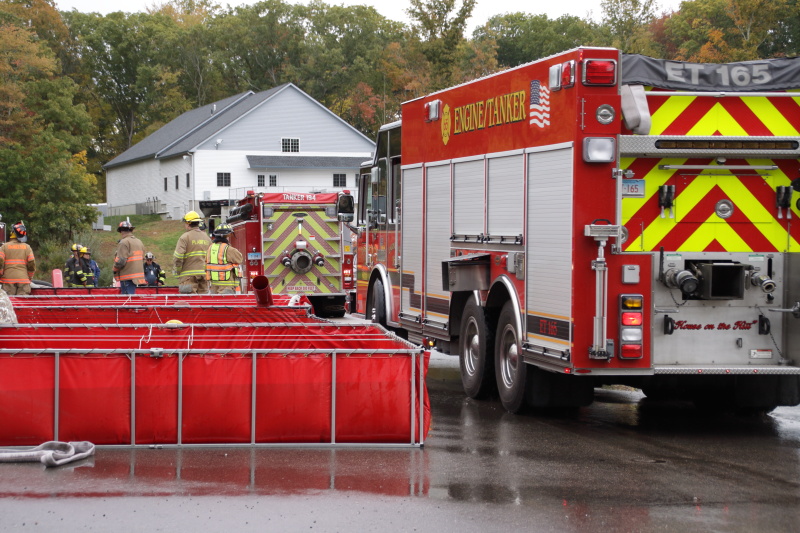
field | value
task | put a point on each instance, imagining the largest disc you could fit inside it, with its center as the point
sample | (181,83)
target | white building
(206,159)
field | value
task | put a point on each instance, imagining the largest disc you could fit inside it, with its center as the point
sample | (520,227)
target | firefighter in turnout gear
(86,267)
(222,262)
(73,269)
(17,263)
(153,272)
(128,268)
(94,268)
(189,261)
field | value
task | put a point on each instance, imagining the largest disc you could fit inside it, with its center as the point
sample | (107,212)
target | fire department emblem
(446,124)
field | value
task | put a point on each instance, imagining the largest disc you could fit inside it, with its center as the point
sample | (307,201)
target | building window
(187,180)
(176,182)
(340,180)
(261,180)
(290,145)
(166,185)
(223,179)
(273,180)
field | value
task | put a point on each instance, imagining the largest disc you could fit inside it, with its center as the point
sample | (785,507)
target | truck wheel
(378,304)
(475,352)
(510,369)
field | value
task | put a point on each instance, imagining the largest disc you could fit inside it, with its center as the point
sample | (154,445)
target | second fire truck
(301,243)
(593,218)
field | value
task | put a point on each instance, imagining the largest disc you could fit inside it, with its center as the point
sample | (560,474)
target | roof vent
(213,109)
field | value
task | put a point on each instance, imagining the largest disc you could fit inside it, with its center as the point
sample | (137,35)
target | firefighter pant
(223,289)
(199,284)
(17,289)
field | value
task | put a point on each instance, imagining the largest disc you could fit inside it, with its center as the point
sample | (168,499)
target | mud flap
(767,391)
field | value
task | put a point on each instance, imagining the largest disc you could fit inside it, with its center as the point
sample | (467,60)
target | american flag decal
(540,104)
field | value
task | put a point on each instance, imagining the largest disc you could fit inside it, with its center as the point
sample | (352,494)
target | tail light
(631,326)
(631,351)
(347,277)
(347,271)
(562,75)
(599,72)
(568,74)
(631,319)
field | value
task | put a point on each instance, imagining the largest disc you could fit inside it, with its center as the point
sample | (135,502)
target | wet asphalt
(620,465)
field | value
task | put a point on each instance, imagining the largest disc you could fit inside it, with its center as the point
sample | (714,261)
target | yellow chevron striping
(718,230)
(762,218)
(718,119)
(669,112)
(772,118)
(652,180)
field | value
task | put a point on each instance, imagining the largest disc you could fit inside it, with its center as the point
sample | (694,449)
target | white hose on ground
(52,453)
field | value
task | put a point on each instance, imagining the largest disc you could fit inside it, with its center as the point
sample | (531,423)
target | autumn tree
(343,51)
(720,31)
(43,135)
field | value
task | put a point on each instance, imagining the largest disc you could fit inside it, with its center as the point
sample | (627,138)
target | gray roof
(192,128)
(302,161)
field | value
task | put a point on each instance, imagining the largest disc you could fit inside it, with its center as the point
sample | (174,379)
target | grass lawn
(158,236)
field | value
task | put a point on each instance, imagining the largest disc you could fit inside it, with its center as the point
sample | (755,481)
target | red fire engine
(301,243)
(594,218)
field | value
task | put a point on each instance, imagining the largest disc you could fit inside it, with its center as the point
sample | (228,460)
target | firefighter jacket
(190,253)
(95,271)
(154,275)
(17,264)
(128,260)
(78,272)
(221,262)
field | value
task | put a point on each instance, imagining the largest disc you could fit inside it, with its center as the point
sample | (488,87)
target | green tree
(440,25)
(522,38)
(626,22)
(256,46)
(127,66)
(784,38)
(755,21)
(191,42)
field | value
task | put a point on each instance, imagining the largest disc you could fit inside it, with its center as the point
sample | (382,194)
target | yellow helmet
(191,216)
(85,250)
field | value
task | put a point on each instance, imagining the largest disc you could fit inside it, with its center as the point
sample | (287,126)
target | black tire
(510,368)
(377,307)
(475,352)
